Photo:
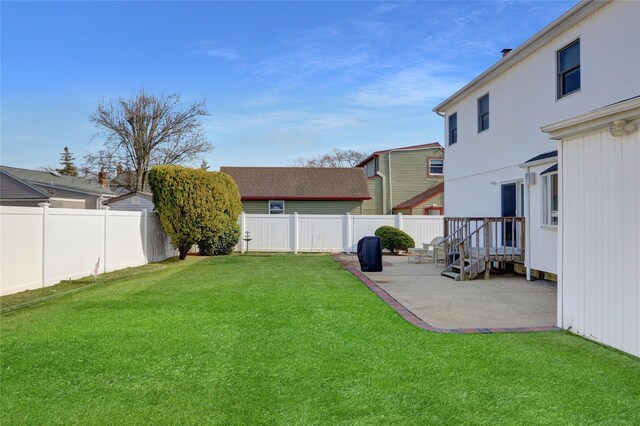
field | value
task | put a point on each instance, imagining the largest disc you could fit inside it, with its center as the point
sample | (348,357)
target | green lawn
(291,340)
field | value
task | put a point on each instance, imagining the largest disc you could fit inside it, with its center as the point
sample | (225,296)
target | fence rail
(327,233)
(41,246)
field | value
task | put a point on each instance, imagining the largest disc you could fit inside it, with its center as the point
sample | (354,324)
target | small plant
(219,245)
(394,239)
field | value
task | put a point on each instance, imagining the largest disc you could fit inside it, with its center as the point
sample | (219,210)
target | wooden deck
(473,245)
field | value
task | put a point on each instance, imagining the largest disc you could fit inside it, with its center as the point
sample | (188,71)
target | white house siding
(126,204)
(523,98)
(543,239)
(600,222)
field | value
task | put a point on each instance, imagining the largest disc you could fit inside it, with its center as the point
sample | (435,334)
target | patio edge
(413,319)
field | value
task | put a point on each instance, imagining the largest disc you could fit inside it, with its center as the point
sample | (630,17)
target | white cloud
(415,85)
(218,52)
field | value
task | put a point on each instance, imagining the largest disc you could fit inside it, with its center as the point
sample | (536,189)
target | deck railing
(494,238)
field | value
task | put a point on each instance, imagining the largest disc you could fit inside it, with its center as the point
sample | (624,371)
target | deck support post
(462,261)
(487,248)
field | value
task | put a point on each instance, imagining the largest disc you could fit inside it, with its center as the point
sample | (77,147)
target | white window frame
(429,167)
(549,215)
(276,201)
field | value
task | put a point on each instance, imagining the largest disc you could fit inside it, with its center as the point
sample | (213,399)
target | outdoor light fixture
(622,128)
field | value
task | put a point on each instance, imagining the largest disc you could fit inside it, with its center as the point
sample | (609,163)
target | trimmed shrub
(222,244)
(394,239)
(194,205)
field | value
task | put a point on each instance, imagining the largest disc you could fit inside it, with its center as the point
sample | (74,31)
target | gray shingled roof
(299,183)
(60,181)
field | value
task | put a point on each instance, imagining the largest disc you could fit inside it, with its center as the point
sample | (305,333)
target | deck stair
(472,245)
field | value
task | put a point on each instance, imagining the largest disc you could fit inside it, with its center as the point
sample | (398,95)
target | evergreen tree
(204,165)
(66,161)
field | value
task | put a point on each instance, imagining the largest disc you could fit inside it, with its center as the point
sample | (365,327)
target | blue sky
(282,80)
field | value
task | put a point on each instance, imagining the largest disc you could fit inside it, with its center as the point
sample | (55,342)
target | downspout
(527,226)
(384,192)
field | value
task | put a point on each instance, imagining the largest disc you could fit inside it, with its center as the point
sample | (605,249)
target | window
(569,69)
(371,168)
(453,128)
(434,211)
(436,167)
(135,200)
(483,113)
(550,199)
(276,207)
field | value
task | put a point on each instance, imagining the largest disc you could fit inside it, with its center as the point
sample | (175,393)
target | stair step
(453,275)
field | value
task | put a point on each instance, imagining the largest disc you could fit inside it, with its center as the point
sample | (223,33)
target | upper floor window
(371,168)
(483,113)
(276,207)
(453,128)
(569,69)
(436,167)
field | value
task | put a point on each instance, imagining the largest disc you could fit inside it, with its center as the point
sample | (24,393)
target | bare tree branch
(336,158)
(146,130)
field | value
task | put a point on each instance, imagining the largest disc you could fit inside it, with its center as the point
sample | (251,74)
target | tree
(195,205)
(147,130)
(204,165)
(66,161)
(336,158)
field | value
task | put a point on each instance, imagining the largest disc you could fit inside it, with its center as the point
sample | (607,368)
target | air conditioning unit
(530,178)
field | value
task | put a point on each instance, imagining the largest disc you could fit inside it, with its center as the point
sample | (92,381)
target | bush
(194,205)
(223,244)
(394,239)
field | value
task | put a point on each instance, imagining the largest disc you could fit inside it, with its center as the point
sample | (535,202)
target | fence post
(296,236)
(399,222)
(104,249)
(243,227)
(347,228)
(146,235)
(45,221)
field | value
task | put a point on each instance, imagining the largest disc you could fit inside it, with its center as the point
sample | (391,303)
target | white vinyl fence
(41,246)
(327,233)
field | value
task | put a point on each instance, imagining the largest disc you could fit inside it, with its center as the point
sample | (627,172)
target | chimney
(119,169)
(102,178)
(505,52)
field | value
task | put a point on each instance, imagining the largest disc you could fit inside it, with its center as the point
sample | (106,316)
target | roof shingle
(421,197)
(299,183)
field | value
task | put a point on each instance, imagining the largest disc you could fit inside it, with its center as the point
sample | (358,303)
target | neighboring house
(133,201)
(429,202)
(27,188)
(498,160)
(599,224)
(395,177)
(278,190)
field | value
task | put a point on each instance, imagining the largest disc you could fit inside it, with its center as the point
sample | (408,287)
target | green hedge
(195,205)
(394,239)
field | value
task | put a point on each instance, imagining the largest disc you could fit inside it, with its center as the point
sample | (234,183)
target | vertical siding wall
(42,246)
(600,229)
(328,233)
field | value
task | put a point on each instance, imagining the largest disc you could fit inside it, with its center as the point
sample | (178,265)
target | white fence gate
(41,246)
(327,233)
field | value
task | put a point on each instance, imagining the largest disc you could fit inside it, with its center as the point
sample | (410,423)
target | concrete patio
(504,301)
